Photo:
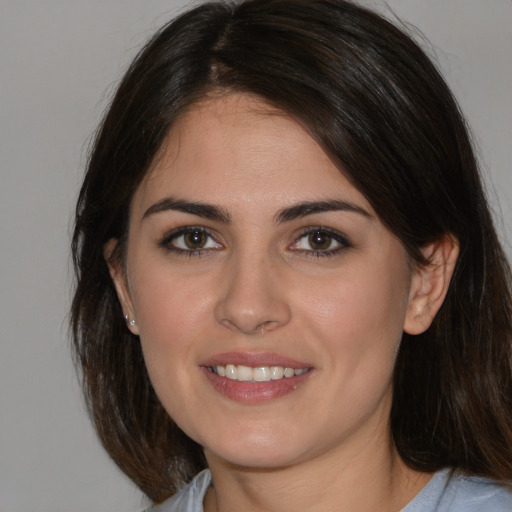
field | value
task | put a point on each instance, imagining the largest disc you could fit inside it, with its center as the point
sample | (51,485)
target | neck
(371,476)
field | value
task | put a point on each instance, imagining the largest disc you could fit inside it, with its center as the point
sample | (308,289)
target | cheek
(172,316)
(170,308)
(359,316)
(359,326)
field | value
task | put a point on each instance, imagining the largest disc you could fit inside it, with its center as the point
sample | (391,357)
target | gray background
(59,63)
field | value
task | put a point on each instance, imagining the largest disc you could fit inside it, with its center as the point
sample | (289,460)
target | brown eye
(195,239)
(320,241)
(192,240)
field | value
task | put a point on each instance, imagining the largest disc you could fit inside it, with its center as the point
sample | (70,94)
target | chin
(254,459)
(256,449)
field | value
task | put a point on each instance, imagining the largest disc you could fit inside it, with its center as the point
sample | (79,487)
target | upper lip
(254,359)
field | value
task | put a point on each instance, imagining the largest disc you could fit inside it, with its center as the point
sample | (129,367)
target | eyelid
(168,238)
(334,234)
(341,240)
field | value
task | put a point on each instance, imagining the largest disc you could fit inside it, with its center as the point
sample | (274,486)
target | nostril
(251,300)
(248,327)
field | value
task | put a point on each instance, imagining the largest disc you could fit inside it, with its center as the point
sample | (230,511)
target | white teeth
(289,372)
(276,372)
(244,373)
(231,371)
(260,374)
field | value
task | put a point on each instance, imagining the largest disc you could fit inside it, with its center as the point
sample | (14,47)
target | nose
(253,298)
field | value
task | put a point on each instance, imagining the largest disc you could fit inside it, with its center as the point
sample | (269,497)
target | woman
(287,272)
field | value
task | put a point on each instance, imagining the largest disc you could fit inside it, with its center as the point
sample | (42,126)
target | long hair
(381,111)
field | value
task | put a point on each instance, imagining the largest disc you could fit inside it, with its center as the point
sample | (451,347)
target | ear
(118,276)
(430,284)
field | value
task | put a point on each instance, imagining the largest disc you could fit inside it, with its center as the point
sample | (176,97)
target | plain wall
(59,63)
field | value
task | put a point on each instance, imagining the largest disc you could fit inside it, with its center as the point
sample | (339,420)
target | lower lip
(254,392)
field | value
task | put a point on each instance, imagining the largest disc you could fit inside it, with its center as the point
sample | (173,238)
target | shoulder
(450,491)
(189,499)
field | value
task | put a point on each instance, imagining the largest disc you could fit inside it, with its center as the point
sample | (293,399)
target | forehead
(237,149)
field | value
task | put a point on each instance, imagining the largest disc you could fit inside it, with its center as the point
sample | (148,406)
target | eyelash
(331,234)
(167,242)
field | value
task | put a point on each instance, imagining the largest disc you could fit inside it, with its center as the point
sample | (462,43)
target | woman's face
(269,298)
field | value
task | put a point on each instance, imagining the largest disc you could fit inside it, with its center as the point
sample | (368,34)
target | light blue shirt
(446,492)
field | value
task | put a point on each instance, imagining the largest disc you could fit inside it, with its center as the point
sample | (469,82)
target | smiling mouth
(243,373)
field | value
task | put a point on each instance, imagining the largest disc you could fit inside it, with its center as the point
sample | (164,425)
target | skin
(260,285)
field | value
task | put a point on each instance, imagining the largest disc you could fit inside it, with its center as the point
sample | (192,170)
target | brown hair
(379,108)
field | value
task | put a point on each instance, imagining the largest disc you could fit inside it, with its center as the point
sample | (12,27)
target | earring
(131,322)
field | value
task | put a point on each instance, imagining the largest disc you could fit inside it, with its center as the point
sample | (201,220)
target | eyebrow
(311,207)
(204,210)
(215,213)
